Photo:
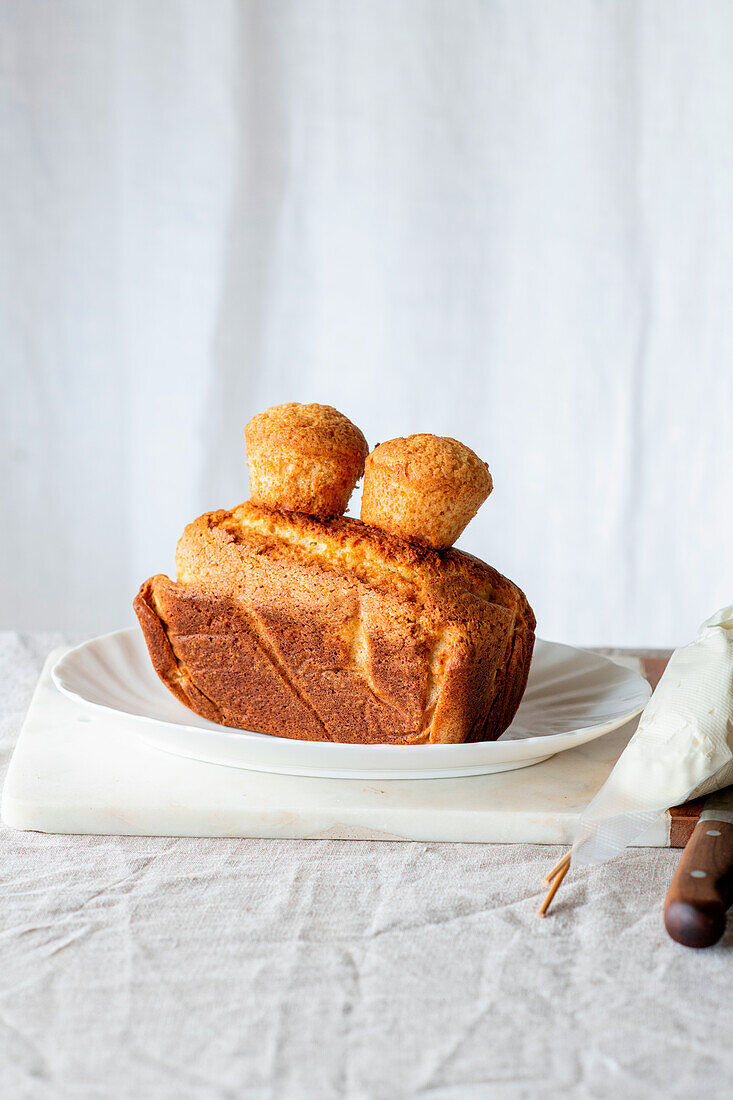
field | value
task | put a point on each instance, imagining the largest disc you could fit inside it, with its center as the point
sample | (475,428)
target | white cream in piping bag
(683,747)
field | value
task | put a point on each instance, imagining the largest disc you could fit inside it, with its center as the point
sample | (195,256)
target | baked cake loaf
(335,630)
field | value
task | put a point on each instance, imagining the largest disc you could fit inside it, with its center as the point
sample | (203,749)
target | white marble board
(78,770)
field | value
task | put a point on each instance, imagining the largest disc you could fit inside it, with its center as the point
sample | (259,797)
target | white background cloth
(220,969)
(510,222)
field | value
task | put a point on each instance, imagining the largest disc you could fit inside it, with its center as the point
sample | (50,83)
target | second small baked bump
(425,488)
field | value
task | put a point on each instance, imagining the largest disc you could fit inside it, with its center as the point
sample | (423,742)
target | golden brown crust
(304,458)
(433,460)
(308,429)
(425,488)
(165,661)
(336,630)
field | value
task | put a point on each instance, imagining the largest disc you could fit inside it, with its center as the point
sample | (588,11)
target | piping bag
(682,748)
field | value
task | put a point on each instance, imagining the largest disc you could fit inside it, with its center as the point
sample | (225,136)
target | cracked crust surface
(335,630)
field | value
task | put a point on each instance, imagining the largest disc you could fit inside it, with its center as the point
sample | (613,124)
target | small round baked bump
(304,458)
(425,488)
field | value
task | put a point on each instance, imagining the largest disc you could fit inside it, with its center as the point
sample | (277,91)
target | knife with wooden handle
(702,889)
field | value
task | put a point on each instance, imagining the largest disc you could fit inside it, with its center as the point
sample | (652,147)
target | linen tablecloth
(188,968)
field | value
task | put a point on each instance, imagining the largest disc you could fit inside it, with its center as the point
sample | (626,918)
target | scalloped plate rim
(264,752)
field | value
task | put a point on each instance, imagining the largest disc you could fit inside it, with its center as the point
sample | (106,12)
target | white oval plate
(572,697)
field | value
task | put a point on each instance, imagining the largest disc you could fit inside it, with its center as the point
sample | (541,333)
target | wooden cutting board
(80,770)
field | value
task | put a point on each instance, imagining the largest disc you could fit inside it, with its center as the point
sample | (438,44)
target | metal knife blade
(719,806)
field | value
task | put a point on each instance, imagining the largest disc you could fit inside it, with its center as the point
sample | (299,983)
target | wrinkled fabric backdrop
(506,222)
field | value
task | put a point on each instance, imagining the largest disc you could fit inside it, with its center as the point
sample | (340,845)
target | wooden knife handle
(702,889)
